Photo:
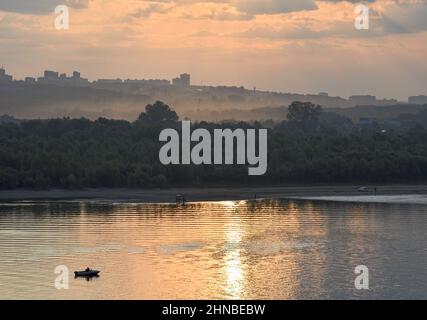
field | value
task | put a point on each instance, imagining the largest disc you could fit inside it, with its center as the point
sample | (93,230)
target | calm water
(221,250)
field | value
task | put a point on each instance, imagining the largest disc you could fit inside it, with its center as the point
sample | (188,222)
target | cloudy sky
(302,46)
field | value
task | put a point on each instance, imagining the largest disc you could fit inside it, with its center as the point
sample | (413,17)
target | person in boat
(87,269)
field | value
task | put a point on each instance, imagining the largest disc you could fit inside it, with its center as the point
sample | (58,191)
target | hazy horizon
(210,83)
(288,46)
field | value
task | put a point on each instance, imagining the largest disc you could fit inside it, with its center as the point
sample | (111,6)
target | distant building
(109,81)
(109,84)
(49,77)
(184,80)
(5,77)
(77,80)
(363,100)
(53,77)
(149,82)
(30,80)
(418,99)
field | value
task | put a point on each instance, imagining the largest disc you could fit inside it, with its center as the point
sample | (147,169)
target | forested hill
(309,147)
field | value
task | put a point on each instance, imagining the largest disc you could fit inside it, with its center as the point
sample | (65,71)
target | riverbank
(211,194)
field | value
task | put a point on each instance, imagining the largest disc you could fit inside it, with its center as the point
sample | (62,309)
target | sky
(304,46)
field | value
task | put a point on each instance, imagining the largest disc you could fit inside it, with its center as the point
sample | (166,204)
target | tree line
(312,146)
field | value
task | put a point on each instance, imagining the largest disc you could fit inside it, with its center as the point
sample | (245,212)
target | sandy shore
(210,194)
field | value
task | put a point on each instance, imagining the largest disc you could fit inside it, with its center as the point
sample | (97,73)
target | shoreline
(194,194)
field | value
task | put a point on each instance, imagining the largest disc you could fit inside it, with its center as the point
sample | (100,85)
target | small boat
(87,273)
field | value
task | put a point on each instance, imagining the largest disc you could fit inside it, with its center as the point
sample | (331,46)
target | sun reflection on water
(234,269)
(235,275)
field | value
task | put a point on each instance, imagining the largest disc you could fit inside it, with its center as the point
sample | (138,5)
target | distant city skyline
(52,77)
(210,82)
(183,80)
